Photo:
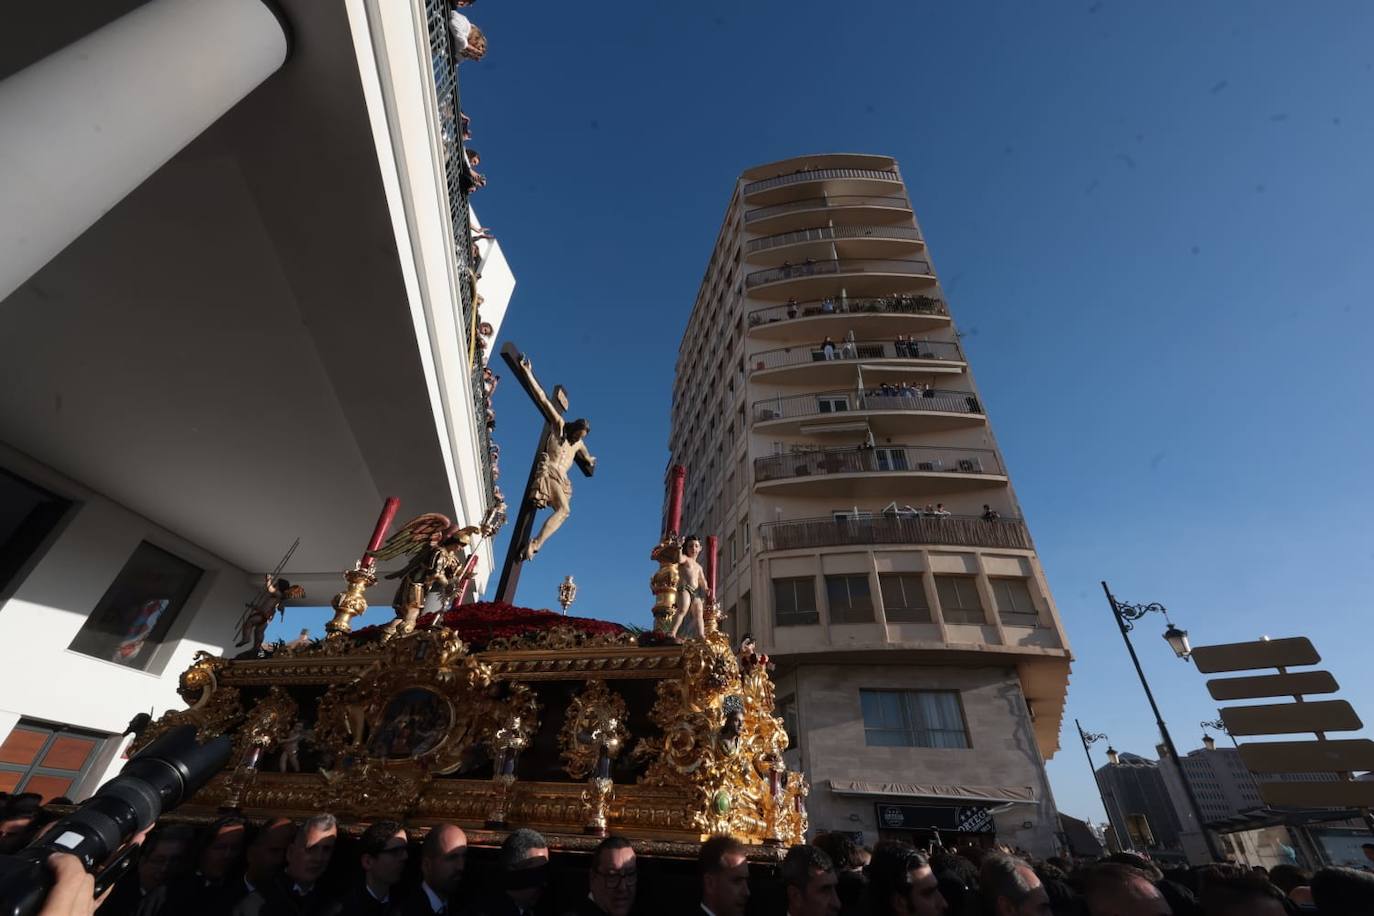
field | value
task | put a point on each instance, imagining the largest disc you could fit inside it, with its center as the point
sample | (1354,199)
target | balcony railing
(826,201)
(950,530)
(882,305)
(857,350)
(818,175)
(830,233)
(839,402)
(914,267)
(458,178)
(891,458)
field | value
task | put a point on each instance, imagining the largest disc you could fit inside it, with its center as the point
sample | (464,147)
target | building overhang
(260,342)
(994,795)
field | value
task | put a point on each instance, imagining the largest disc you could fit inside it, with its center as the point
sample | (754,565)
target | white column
(86,125)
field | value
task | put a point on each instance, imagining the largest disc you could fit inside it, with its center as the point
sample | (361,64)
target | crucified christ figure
(552,489)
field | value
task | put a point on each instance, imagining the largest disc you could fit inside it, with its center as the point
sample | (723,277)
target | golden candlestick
(351,602)
(664,583)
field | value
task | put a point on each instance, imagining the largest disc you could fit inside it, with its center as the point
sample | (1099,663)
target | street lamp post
(1090,738)
(1125,615)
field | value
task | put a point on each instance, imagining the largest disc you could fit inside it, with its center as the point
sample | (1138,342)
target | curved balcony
(831,181)
(812,364)
(857,276)
(884,413)
(914,471)
(840,209)
(883,316)
(842,241)
(950,530)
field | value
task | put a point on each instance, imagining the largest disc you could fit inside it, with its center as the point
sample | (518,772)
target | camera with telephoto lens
(158,779)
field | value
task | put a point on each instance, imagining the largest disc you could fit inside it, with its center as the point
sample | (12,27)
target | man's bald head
(1120,890)
(443,858)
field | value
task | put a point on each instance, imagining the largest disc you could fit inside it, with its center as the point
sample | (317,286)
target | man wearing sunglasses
(613,880)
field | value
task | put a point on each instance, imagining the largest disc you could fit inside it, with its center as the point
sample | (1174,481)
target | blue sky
(1152,223)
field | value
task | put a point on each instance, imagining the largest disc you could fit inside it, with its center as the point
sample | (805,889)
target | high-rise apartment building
(870,537)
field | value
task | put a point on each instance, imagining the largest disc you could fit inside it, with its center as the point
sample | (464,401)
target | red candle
(712,548)
(379,533)
(677,479)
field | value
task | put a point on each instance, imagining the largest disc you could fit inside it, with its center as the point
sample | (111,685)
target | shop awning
(983,794)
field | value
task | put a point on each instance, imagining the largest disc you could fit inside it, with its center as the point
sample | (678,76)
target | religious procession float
(495,717)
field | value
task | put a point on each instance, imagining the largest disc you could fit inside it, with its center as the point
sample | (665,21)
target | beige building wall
(817,463)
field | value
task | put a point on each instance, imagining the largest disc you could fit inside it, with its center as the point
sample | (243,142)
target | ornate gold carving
(596,798)
(266,726)
(664,583)
(352,601)
(594,728)
(561,637)
(214,710)
(370,789)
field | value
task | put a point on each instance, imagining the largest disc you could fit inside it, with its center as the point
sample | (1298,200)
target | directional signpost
(1322,755)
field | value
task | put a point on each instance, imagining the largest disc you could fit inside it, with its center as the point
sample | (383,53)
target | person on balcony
(850,350)
(828,348)
(941,511)
(791,308)
(900,345)
(468,40)
(990,514)
(827,306)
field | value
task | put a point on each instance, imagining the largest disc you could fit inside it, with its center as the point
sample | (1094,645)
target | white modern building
(238,297)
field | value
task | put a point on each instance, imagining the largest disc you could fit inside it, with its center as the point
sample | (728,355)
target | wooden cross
(553,409)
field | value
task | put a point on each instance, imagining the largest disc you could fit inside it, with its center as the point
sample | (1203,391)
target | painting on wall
(133,616)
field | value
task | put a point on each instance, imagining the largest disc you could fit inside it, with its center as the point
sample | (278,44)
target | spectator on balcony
(928,391)
(850,350)
(828,348)
(468,40)
(791,308)
(478,179)
(900,345)
(465,121)
(941,511)
(909,511)
(990,514)
(827,306)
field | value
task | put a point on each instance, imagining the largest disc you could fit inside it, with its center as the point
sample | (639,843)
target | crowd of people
(311,868)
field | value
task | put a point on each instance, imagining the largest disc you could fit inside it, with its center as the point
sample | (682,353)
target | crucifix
(560,446)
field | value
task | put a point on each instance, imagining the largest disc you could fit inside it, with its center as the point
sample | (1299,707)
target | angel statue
(270,601)
(438,552)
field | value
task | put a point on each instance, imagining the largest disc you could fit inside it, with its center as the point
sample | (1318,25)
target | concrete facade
(870,537)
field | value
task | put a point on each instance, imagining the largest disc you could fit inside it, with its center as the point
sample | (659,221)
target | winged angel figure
(441,562)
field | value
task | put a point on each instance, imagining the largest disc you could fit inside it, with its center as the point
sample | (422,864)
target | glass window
(832,405)
(959,599)
(28,514)
(890,459)
(850,599)
(794,601)
(913,718)
(133,616)
(48,759)
(904,597)
(1013,596)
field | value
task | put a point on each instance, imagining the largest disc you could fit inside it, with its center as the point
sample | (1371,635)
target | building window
(734,551)
(913,718)
(794,601)
(850,599)
(787,711)
(28,515)
(134,614)
(904,597)
(891,459)
(1013,597)
(832,405)
(48,759)
(959,599)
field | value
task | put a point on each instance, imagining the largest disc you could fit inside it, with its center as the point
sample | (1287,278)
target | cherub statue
(438,555)
(290,760)
(270,601)
(692,591)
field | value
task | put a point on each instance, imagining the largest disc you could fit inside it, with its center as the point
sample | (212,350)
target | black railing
(851,350)
(879,305)
(950,530)
(826,201)
(825,403)
(891,458)
(779,181)
(458,179)
(914,267)
(829,233)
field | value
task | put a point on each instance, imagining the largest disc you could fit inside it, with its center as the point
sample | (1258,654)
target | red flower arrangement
(479,623)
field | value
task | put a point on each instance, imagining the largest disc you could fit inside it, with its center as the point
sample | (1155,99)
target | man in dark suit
(724,866)
(442,860)
(382,853)
(613,880)
(162,859)
(524,864)
(214,887)
(296,891)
